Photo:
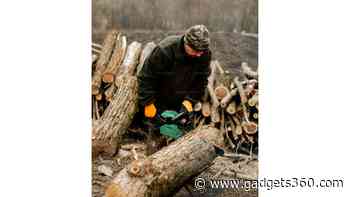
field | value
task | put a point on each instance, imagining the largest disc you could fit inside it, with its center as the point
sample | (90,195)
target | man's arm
(149,76)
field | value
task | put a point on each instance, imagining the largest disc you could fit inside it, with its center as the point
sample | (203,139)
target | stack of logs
(230,102)
(114,89)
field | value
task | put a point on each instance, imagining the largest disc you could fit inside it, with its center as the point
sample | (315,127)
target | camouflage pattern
(197,37)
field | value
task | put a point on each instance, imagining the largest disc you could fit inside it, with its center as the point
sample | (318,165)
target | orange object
(188,105)
(150,110)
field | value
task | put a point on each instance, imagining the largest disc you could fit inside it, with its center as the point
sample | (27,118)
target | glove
(150,111)
(187,105)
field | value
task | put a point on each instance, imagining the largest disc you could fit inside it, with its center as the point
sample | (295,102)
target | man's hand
(187,105)
(150,111)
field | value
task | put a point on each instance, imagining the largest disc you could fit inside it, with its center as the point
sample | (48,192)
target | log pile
(114,89)
(231,103)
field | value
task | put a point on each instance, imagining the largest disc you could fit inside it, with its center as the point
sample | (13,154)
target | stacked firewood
(231,103)
(114,89)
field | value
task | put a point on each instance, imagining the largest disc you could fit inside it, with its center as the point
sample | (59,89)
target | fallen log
(116,59)
(166,171)
(116,118)
(103,61)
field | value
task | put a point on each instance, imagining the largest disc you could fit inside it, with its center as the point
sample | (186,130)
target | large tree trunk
(116,60)
(164,172)
(117,117)
(103,61)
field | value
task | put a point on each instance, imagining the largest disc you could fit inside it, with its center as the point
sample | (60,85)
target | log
(222,81)
(147,50)
(250,87)
(116,60)
(253,101)
(240,90)
(116,118)
(197,107)
(248,72)
(228,97)
(249,127)
(110,92)
(206,109)
(103,61)
(231,108)
(98,46)
(131,60)
(215,116)
(238,130)
(224,102)
(166,171)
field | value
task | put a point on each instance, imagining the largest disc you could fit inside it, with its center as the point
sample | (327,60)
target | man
(175,74)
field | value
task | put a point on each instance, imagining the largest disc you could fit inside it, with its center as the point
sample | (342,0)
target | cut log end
(250,127)
(221,92)
(108,78)
(206,109)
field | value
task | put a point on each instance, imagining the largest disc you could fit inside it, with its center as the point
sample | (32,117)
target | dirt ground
(230,49)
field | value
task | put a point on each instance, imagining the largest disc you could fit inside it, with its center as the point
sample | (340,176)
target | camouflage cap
(197,37)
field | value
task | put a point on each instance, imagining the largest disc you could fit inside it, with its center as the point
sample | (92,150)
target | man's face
(193,53)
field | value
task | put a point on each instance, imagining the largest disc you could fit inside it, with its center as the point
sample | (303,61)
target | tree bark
(130,61)
(103,60)
(147,50)
(167,170)
(116,118)
(116,59)
(215,115)
(110,92)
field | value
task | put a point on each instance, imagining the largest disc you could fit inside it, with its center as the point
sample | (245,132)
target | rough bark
(147,50)
(130,61)
(215,115)
(228,97)
(240,90)
(116,118)
(116,59)
(103,61)
(110,92)
(167,170)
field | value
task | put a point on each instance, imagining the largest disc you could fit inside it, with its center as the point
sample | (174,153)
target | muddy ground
(230,49)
